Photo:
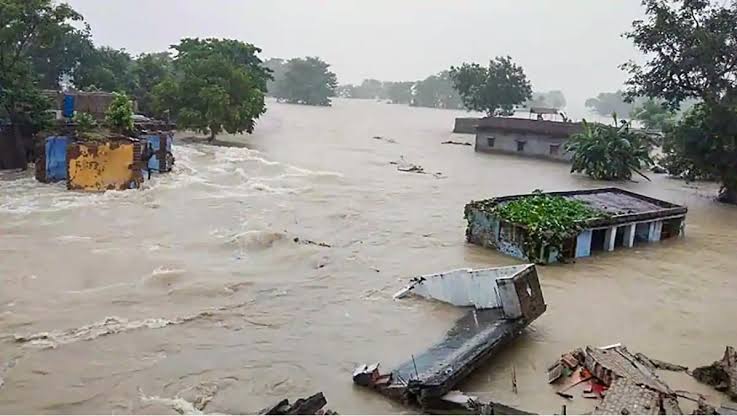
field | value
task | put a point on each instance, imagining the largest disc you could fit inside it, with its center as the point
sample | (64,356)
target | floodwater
(194,291)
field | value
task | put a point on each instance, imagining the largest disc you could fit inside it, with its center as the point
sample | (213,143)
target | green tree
(119,115)
(346,91)
(151,69)
(552,99)
(398,92)
(609,152)
(219,86)
(654,115)
(690,46)
(610,103)
(495,90)
(437,91)
(307,81)
(369,89)
(278,68)
(105,69)
(27,26)
(61,55)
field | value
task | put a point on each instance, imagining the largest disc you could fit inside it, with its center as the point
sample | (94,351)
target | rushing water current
(193,293)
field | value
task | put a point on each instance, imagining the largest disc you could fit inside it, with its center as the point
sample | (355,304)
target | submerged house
(114,162)
(526,137)
(623,220)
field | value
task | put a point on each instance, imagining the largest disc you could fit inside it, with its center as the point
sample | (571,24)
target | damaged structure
(625,383)
(625,219)
(500,303)
(313,405)
(113,162)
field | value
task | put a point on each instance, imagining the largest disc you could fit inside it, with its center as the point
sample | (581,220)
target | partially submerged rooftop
(618,205)
(546,128)
(602,220)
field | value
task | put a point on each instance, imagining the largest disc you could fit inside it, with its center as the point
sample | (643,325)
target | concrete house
(629,219)
(526,137)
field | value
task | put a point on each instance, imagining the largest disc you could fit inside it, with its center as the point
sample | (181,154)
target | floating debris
(312,405)
(721,374)
(310,242)
(504,299)
(458,143)
(627,383)
(660,365)
(386,139)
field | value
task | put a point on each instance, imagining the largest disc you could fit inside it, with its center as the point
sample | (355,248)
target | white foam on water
(255,239)
(73,238)
(178,404)
(164,276)
(113,325)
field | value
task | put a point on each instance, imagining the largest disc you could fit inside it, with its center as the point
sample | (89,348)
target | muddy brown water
(193,288)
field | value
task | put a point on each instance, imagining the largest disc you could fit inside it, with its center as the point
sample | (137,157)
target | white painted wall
(535,145)
(467,287)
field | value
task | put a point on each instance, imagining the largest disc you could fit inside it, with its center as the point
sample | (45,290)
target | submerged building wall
(104,166)
(487,230)
(533,145)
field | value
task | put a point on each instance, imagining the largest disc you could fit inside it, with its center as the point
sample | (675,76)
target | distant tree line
(435,91)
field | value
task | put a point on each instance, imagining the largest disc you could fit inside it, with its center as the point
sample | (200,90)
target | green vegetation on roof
(548,219)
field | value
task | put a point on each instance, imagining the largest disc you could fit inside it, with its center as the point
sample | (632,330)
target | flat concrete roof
(621,205)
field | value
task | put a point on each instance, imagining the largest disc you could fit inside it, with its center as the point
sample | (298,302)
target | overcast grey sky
(572,45)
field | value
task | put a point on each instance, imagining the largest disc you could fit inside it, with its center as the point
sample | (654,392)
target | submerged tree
(219,85)
(398,92)
(306,81)
(691,49)
(609,152)
(495,90)
(437,91)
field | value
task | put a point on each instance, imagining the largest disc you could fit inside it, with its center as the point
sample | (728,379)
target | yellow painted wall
(102,166)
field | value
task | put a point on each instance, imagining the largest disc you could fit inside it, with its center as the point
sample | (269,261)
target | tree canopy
(654,115)
(149,70)
(219,85)
(397,92)
(690,46)
(436,91)
(610,103)
(495,90)
(277,66)
(306,81)
(29,30)
(105,69)
(551,99)
(609,152)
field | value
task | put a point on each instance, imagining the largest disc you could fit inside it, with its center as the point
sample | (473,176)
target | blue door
(56,158)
